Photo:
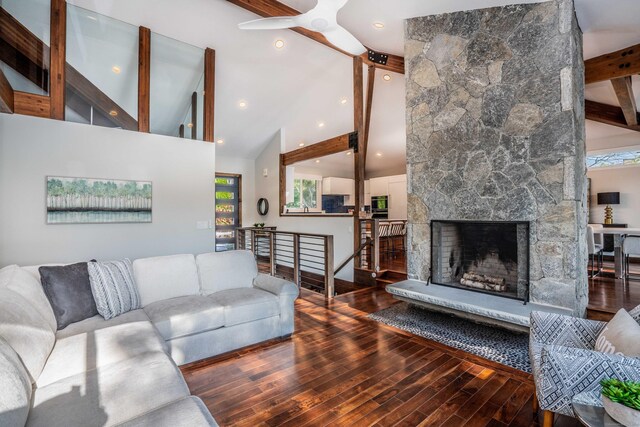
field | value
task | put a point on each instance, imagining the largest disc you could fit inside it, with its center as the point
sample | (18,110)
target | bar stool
(630,248)
(595,250)
(383,234)
(395,231)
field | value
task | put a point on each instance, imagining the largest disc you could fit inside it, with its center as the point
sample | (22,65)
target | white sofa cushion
(26,331)
(182,316)
(15,388)
(188,412)
(226,270)
(166,277)
(97,348)
(246,305)
(29,286)
(109,395)
(97,322)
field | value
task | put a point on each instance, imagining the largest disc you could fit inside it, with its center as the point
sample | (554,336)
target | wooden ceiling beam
(272,8)
(626,98)
(371,79)
(335,145)
(621,63)
(6,95)
(608,114)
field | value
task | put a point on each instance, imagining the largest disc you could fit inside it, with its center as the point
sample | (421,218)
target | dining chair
(595,252)
(631,248)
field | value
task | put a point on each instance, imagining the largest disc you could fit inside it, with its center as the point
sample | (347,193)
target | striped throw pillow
(113,287)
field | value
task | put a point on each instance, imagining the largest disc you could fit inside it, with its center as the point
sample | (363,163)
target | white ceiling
(301,85)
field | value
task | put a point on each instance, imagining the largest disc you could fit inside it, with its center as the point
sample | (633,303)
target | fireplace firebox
(482,256)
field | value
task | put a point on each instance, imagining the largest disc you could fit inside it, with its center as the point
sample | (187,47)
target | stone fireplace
(488,256)
(495,132)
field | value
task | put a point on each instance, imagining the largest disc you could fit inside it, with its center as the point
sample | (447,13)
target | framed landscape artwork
(97,201)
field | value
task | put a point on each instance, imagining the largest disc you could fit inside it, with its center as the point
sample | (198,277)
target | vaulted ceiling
(302,85)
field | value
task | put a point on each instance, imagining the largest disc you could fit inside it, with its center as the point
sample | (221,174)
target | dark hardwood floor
(340,368)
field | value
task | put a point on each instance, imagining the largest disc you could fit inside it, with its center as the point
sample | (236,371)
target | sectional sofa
(123,371)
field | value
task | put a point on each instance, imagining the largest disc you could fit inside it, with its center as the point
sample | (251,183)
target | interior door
(228,210)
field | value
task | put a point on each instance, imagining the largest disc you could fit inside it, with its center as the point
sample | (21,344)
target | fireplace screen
(490,257)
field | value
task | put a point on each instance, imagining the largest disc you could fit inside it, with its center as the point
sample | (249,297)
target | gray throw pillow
(113,286)
(68,290)
(621,336)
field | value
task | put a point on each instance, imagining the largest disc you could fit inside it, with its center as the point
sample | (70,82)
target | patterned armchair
(564,363)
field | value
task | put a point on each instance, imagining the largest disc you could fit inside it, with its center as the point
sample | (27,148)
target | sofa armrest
(567,371)
(557,329)
(275,285)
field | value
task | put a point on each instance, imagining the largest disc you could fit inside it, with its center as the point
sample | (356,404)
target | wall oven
(380,207)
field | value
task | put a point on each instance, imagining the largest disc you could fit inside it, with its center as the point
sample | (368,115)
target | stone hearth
(495,132)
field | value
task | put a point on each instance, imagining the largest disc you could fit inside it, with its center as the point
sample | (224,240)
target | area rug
(502,346)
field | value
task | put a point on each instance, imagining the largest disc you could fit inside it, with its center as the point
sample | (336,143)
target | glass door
(228,206)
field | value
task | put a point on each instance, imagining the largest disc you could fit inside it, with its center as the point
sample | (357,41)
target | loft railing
(86,67)
(304,258)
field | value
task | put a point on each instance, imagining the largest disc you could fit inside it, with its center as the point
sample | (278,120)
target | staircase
(387,277)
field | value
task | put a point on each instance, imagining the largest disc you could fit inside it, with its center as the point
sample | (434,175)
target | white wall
(31,148)
(626,180)
(268,187)
(246,168)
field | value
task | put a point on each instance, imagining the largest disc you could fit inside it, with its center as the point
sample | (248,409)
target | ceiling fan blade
(277,23)
(333,4)
(344,40)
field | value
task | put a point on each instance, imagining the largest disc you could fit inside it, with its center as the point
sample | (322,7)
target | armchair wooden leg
(548,419)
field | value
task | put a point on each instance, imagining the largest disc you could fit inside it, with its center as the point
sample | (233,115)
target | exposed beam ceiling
(321,149)
(6,95)
(621,63)
(271,8)
(608,114)
(624,93)
(34,50)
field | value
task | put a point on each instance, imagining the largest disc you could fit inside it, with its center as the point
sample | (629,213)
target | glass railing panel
(177,71)
(102,70)
(24,44)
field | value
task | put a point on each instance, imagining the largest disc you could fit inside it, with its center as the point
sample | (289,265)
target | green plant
(259,225)
(626,393)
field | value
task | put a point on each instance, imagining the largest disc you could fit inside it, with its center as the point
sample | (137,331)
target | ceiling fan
(321,19)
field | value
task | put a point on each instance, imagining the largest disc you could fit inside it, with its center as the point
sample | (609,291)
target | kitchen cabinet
(367,193)
(332,186)
(398,200)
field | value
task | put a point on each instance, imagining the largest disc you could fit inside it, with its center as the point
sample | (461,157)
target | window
(620,158)
(305,194)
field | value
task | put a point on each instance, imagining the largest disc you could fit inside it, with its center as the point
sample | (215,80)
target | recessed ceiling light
(93,18)
(378,25)
(116,69)
(279,44)
(348,153)
(189,125)
(242,104)
(220,141)
(317,161)
(343,101)
(301,144)
(379,154)
(386,77)
(113,113)
(321,124)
